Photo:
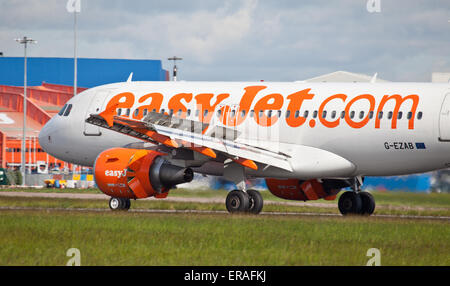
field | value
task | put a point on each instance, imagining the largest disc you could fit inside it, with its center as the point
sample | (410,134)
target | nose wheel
(244,202)
(116,204)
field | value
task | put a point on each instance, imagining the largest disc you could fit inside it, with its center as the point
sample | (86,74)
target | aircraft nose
(45,137)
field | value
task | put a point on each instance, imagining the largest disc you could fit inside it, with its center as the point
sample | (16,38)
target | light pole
(25,41)
(74,6)
(174,59)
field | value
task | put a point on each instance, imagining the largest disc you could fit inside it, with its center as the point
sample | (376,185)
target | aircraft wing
(207,139)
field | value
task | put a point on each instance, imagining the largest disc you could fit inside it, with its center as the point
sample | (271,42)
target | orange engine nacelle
(137,173)
(293,189)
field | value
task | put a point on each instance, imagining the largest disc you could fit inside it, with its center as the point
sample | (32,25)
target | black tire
(126,204)
(350,203)
(255,202)
(237,201)
(368,203)
(115,203)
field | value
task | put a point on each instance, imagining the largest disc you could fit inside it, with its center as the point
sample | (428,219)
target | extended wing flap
(232,148)
(164,129)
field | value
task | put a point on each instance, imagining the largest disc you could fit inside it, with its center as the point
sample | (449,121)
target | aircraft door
(95,106)
(444,120)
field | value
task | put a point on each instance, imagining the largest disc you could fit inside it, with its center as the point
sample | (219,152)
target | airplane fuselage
(328,130)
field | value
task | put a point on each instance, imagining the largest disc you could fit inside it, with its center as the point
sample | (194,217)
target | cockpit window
(68,109)
(61,112)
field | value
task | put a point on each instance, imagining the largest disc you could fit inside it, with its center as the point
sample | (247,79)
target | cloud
(243,40)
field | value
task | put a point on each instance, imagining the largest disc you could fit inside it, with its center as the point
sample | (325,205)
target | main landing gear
(356,201)
(249,201)
(117,204)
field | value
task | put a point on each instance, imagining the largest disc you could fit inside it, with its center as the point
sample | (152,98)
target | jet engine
(293,189)
(137,173)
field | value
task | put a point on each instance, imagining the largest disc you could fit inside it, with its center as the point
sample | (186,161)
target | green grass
(413,199)
(52,190)
(119,238)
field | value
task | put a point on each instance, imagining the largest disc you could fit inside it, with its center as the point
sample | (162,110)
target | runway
(214,200)
(160,211)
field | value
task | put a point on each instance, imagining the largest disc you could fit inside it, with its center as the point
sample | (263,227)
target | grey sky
(243,40)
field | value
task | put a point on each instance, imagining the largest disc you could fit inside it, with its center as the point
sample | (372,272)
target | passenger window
(233,113)
(409,115)
(419,115)
(243,113)
(269,113)
(68,109)
(205,113)
(188,112)
(352,114)
(305,114)
(296,114)
(288,113)
(342,114)
(333,114)
(390,115)
(219,112)
(252,113)
(361,115)
(61,112)
(144,113)
(380,115)
(315,114)
(370,114)
(162,111)
(279,113)
(119,111)
(324,114)
(400,114)
(136,112)
(128,112)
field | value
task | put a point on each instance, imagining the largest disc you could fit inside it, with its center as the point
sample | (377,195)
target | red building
(42,103)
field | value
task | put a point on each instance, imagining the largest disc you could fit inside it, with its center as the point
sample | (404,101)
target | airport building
(50,85)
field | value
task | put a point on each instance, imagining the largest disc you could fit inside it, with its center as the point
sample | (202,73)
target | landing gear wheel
(119,204)
(115,203)
(237,201)
(368,203)
(127,204)
(255,202)
(350,203)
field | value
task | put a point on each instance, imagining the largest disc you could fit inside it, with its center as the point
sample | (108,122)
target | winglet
(130,77)
(108,114)
(374,78)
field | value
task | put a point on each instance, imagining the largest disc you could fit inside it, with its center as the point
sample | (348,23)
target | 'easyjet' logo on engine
(207,103)
(116,173)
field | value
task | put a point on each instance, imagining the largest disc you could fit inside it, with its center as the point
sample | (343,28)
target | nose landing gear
(116,204)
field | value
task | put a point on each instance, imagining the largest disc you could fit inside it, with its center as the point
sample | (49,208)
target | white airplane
(308,140)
